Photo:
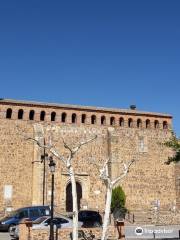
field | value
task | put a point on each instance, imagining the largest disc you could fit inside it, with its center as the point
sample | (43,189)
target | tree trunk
(107,213)
(75,207)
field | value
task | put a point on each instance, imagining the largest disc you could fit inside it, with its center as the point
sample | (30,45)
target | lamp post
(52,169)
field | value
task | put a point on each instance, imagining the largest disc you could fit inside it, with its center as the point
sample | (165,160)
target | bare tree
(105,177)
(68,163)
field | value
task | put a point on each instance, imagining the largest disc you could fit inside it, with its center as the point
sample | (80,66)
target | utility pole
(43,160)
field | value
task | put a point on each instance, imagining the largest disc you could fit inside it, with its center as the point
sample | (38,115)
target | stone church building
(122,134)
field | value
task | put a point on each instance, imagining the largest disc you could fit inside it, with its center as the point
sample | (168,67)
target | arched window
(139,123)
(83,118)
(63,117)
(9,113)
(53,116)
(103,120)
(156,124)
(31,115)
(165,125)
(130,122)
(42,115)
(20,114)
(112,121)
(121,122)
(74,118)
(148,123)
(93,119)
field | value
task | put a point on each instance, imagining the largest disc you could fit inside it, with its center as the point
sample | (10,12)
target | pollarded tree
(110,184)
(69,166)
(68,162)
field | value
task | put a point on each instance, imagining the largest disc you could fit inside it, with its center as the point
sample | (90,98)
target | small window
(130,122)
(142,144)
(139,123)
(34,213)
(40,219)
(9,113)
(74,118)
(8,190)
(42,115)
(20,114)
(103,120)
(93,119)
(47,221)
(121,122)
(165,125)
(148,123)
(112,121)
(23,214)
(63,117)
(156,124)
(44,211)
(53,116)
(83,118)
(31,115)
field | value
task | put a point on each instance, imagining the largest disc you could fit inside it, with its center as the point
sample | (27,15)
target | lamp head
(52,164)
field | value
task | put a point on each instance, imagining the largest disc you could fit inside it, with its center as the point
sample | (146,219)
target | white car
(14,232)
(60,222)
(43,223)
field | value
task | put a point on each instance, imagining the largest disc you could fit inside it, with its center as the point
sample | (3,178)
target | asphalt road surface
(4,236)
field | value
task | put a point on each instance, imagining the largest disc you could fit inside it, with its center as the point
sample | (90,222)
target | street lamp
(52,169)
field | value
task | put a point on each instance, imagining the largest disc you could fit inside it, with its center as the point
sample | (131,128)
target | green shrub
(118,199)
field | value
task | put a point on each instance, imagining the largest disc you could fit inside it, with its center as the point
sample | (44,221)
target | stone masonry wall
(36,234)
(149,179)
(16,156)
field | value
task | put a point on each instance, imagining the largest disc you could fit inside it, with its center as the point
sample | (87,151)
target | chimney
(133,107)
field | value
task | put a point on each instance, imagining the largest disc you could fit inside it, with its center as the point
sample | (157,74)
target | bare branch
(125,172)
(71,155)
(66,146)
(49,148)
(75,149)
(104,172)
(57,155)
(38,143)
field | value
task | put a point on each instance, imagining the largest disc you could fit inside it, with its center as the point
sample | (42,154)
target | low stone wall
(150,217)
(168,219)
(34,234)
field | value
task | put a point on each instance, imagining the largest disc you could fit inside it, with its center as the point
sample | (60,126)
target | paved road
(4,236)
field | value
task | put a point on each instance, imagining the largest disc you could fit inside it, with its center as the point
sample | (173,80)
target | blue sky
(101,53)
